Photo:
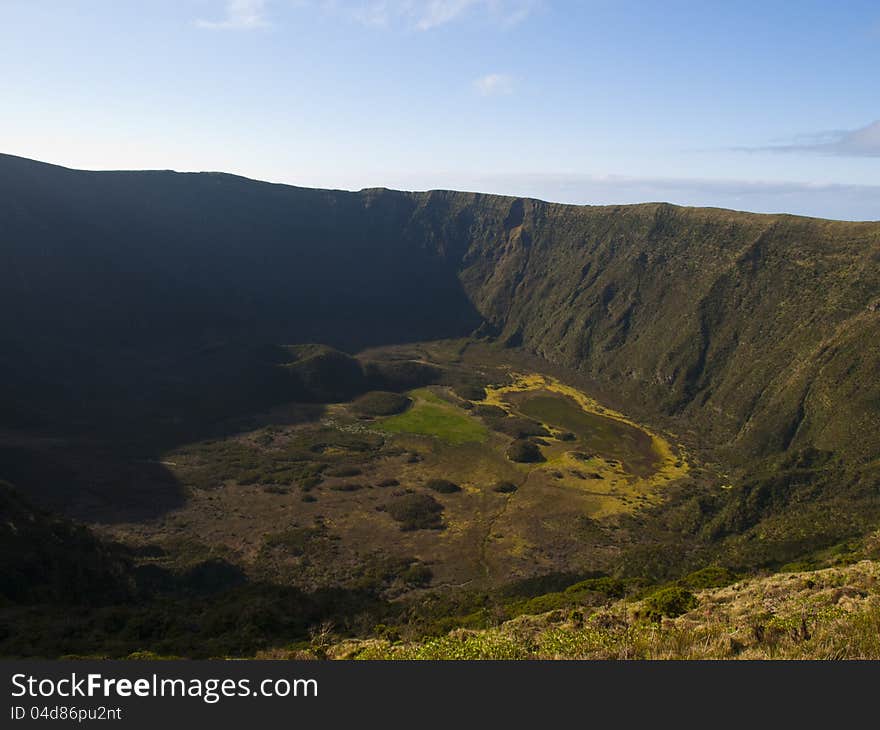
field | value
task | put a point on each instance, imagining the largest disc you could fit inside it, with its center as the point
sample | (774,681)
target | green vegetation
(831,614)
(323,374)
(343,471)
(400,375)
(490,412)
(608,436)
(712,576)
(381,403)
(417,512)
(347,487)
(48,559)
(418,574)
(525,452)
(672,601)
(516,426)
(431,416)
(295,540)
(470,391)
(756,338)
(504,487)
(442,486)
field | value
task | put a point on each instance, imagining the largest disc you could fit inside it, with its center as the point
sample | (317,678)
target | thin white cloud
(240,15)
(494,85)
(371,13)
(513,12)
(861,142)
(427,15)
(439,12)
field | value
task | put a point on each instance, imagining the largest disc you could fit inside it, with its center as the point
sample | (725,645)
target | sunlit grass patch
(432,416)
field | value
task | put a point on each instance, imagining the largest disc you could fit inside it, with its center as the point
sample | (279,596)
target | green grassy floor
(432,416)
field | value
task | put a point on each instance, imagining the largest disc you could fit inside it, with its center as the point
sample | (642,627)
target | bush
(567,436)
(443,486)
(417,512)
(670,602)
(343,471)
(417,574)
(295,540)
(712,576)
(309,483)
(212,576)
(606,585)
(347,487)
(381,403)
(504,487)
(525,452)
(490,412)
(470,391)
(388,483)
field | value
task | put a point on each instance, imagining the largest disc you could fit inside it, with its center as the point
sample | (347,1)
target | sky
(770,106)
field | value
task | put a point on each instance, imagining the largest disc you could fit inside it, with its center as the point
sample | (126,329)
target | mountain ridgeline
(145,311)
(761,331)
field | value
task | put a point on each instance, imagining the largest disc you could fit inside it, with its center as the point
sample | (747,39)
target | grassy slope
(755,327)
(826,614)
(759,336)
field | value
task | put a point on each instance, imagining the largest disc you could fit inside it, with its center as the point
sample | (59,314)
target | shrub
(417,512)
(504,487)
(490,412)
(525,452)
(212,576)
(608,586)
(389,483)
(469,391)
(381,403)
(295,541)
(443,486)
(417,574)
(344,471)
(712,576)
(347,487)
(671,602)
(309,483)
(567,436)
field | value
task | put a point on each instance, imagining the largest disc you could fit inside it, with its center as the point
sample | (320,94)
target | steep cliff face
(761,331)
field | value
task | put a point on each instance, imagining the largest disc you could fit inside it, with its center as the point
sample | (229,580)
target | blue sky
(766,106)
